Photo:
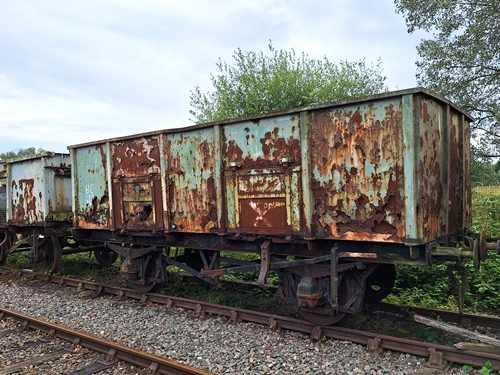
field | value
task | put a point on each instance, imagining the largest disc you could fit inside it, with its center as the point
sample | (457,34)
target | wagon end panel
(358,172)
(137,187)
(443,173)
(193,180)
(58,173)
(90,176)
(262,176)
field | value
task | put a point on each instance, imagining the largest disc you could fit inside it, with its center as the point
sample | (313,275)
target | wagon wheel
(149,267)
(49,255)
(325,315)
(380,283)
(105,257)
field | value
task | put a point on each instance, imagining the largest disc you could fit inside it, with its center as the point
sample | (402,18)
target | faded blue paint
(193,204)
(91,187)
(38,190)
(409,166)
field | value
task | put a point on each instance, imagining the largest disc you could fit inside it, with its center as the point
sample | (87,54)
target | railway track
(114,352)
(438,355)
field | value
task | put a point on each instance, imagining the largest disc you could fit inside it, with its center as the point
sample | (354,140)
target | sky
(78,71)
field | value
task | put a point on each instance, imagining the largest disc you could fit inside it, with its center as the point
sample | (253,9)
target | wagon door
(137,183)
(262,176)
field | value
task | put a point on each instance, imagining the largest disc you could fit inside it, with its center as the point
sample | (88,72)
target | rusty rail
(437,354)
(115,351)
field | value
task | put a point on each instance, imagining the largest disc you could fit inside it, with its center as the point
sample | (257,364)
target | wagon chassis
(325,280)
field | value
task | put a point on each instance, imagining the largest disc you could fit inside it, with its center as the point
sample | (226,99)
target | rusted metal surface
(386,168)
(91,187)
(442,173)
(193,180)
(357,172)
(262,175)
(39,190)
(137,184)
(390,170)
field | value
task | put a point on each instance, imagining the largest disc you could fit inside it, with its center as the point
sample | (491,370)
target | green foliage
(485,174)
(485,370)
(461,60)
(424,333)
(424,286)
(73,265)
(20,153)
(255,298)
(257,83)
(485,211)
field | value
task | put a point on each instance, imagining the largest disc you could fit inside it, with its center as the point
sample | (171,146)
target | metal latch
(235,164)
(286,160)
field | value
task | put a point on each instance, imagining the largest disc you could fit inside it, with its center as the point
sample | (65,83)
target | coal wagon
(35,207)
(329,196)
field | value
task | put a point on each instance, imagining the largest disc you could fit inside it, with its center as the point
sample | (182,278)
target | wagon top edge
(44,154)
(333,104)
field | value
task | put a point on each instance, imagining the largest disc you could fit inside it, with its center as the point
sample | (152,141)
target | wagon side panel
(90,177)
(358,172)
(193,180)
(262,176)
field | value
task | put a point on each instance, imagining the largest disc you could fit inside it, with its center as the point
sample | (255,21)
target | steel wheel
(149,267)
(380,283)
(49,255)
(325,315)
(105,257)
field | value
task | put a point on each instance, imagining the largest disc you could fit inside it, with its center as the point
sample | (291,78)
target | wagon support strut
(270,266)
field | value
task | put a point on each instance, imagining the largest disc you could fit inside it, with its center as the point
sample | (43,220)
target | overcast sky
(78,71)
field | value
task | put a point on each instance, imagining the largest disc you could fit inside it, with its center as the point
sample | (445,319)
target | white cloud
(74,72)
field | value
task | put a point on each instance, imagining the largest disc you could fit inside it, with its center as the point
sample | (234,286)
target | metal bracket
(460,288)
(334,278)
(436,360)
(373,346)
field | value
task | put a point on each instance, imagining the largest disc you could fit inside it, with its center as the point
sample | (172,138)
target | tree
(22,152)
(257,83)
(462,59)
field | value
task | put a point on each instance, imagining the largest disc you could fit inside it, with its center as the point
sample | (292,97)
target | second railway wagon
(330,196)
(35,208)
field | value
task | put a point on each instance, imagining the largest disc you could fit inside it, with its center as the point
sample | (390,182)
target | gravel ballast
(209,343)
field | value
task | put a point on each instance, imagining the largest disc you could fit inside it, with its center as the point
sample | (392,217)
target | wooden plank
(457,330)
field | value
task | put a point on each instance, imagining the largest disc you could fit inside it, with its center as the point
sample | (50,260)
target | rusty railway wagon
(330,197)
(36,214)
(35,207)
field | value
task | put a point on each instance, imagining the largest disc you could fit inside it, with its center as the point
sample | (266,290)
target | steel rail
(436,354)
(115,351)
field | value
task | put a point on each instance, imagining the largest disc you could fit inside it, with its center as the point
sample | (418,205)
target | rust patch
(24,202)
(137,157)
(358,174)
(191,181)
